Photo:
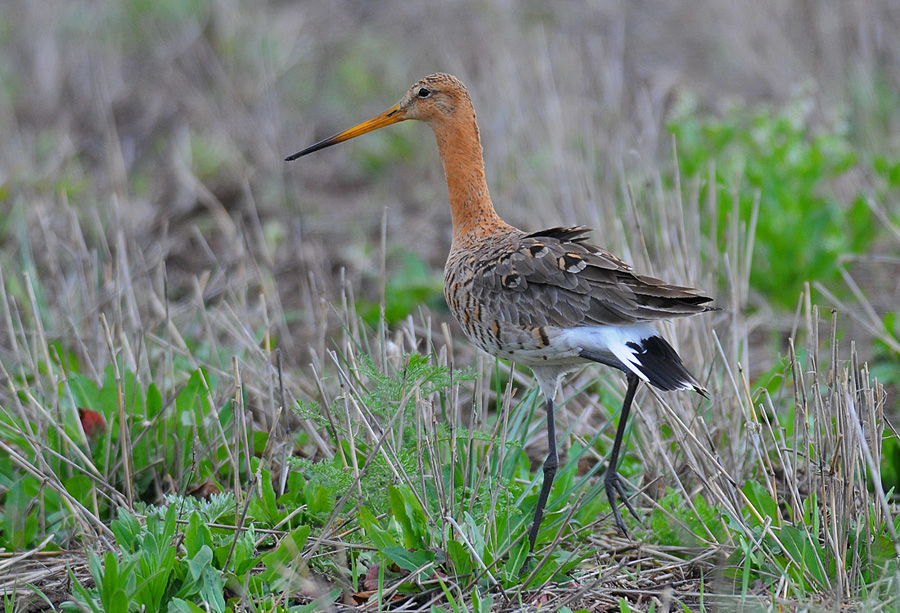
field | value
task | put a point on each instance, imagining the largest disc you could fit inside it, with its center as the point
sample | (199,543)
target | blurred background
(160,128)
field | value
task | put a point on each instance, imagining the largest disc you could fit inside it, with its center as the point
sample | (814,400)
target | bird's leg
(550,465)
(613,482)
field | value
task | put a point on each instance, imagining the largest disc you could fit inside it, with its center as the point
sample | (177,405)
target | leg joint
(551,463)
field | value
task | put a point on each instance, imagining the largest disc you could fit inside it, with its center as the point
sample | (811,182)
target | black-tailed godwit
(548,299)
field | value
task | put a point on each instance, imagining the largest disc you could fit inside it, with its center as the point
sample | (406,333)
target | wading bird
(548,299)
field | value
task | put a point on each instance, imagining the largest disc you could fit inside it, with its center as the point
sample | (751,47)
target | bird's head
(433,99)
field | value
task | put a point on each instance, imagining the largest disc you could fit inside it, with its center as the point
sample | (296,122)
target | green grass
(779,169)
(396,501)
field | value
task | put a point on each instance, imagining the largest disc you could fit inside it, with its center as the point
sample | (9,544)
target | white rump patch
(612,341)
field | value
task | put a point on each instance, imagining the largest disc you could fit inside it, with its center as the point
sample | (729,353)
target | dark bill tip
(390,116)
(312,149)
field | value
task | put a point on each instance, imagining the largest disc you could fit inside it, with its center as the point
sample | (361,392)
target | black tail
(657,362)
(662,366)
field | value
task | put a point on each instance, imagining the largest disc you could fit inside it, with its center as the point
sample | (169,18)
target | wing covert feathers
(555,278)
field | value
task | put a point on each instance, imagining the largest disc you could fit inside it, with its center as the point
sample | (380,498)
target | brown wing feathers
(568,282)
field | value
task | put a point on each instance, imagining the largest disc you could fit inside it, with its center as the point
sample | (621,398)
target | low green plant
(162,562)
(438,501)
(153,570)
(676,524)
(790,164)
(780,545)
(80,444)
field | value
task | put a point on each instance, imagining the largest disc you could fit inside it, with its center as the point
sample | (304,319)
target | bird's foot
(615,487)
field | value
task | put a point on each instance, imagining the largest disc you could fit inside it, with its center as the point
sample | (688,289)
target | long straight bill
(390,116)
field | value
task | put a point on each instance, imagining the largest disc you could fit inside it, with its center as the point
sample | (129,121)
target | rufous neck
(459,144)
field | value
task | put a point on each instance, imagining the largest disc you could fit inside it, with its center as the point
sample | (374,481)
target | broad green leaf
(85,392)
(381,538)
(186,401)
(178,605)
(127,530)
(79,486)
(517,557)
(408,560)
(197,535)
(760,499)
(154,401)
(460,558)
(210,582)
(287,552)
(409,514)
(19,524)
(476,536)
(797,543)
(242,557)
(318,498)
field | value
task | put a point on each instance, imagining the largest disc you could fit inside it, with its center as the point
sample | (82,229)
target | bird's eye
(424,93)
